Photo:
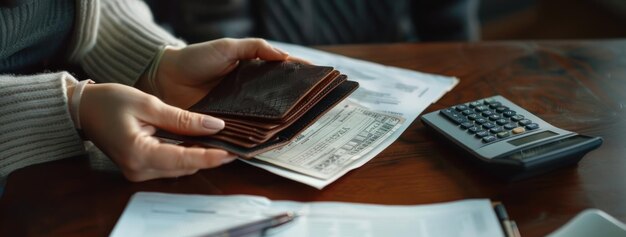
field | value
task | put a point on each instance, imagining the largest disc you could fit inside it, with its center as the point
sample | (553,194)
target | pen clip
(508,226)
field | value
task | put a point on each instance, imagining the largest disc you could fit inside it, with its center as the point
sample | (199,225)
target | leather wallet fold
(265,104)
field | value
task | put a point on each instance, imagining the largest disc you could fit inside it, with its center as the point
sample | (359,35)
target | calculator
(508,139)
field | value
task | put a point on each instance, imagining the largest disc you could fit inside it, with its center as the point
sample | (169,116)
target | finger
(171,157)
(299,60)
(252,48)
(180,121)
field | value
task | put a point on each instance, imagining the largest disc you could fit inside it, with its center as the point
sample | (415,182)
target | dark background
(324,22)
(552,19)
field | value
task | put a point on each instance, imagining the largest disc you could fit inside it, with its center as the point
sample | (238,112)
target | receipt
(329,146)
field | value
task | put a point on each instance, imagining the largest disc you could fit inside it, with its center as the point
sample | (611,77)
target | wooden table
(576,85)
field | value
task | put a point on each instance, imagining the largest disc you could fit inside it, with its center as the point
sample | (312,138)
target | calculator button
(461,107)
(501,109)
(481,120)
(494,117)
(489,138)
(454,116)
(468,112)
(488,101)
(487,113)
(494,105)
(496,130)
(518,130)
(517,117)
(482,133)
(508,113)
(532,126)
(488,125)
(525,122)
(510,126)
(481,108)
(474,104)
(502,121)
(474,129)
(467,125)
(472,116)
(503,134)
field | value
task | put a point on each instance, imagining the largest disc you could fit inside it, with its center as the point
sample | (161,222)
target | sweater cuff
(36,124)
(127,41)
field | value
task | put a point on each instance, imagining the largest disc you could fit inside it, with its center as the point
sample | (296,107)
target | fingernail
(229,159)
(212,123)
(280,51)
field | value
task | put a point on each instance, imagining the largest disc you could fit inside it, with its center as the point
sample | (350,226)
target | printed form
(160,214)
(387,101)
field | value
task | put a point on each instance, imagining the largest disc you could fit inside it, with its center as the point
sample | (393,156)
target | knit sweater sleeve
(36,124)
(127,40)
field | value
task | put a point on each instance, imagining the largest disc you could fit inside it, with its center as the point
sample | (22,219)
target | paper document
(388,100)
(160,214)
(591,222)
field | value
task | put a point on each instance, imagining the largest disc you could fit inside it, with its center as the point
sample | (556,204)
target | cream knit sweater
(114,41)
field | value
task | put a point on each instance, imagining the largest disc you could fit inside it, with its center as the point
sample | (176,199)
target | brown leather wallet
(265,104)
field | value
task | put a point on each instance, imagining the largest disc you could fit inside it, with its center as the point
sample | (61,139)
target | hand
(186,75)
(121,120)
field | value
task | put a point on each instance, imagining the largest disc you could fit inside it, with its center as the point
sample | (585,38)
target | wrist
(162,67)
(74,98)
(168,65)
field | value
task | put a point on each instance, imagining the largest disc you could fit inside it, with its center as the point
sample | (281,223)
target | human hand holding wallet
(265,104)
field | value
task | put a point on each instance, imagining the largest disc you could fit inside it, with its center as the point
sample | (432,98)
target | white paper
(159,214)
(391,90)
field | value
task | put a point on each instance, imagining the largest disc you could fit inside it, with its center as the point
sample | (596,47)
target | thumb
(183,122)
(251,48)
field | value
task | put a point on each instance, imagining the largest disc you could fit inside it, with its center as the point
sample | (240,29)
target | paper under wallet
(265,104)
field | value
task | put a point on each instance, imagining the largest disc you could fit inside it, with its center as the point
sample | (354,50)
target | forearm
(35,123)
(127,41)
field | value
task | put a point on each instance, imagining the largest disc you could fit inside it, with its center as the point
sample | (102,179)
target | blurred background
(322,22)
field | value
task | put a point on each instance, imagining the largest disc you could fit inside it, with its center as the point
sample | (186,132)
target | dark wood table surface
(576,85)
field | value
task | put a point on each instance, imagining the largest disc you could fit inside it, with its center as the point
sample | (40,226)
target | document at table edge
(591,222)
(162,214)
(382,88)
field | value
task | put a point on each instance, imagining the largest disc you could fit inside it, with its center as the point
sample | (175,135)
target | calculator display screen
(532,138)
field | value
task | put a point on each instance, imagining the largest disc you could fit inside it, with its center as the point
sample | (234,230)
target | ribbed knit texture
(114,41)
(33,32)
(36,124)
(127,41)
(85,28)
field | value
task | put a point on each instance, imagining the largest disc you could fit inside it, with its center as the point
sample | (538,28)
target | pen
(254,227)
(509,226)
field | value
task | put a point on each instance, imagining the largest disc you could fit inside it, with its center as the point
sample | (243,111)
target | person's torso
(34,34)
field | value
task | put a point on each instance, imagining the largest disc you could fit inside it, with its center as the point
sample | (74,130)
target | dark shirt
(34,34)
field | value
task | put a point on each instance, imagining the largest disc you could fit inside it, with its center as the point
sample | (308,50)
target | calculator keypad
(488,120)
